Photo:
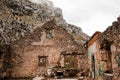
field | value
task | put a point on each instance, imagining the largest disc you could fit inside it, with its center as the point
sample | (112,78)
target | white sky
(90,15)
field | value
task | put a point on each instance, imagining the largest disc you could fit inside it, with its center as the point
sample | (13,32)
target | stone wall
(112,36)
(25,52)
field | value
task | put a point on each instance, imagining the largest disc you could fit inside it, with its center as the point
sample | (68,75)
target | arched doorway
(106,56)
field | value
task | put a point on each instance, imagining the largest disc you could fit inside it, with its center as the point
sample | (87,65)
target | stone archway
(106,56)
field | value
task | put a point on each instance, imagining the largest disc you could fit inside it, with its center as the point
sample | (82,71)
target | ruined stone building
(29,44)
(46,47)
(104,53)
(92,48)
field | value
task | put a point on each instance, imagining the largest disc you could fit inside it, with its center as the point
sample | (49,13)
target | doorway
(93,66)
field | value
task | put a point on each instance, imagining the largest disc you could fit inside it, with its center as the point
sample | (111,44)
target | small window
(49,34)
(118,59)
(42,61)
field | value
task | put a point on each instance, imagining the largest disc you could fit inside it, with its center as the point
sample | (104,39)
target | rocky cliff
(20,16)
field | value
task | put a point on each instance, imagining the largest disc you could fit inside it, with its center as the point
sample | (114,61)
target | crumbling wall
(115,61)
(94,56)
(112,36)
(25,52)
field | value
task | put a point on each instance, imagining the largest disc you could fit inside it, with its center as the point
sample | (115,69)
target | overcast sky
(90,15)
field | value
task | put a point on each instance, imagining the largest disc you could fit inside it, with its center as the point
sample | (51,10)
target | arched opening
(106,57)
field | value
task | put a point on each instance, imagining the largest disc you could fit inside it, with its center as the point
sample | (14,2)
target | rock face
(20,16)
